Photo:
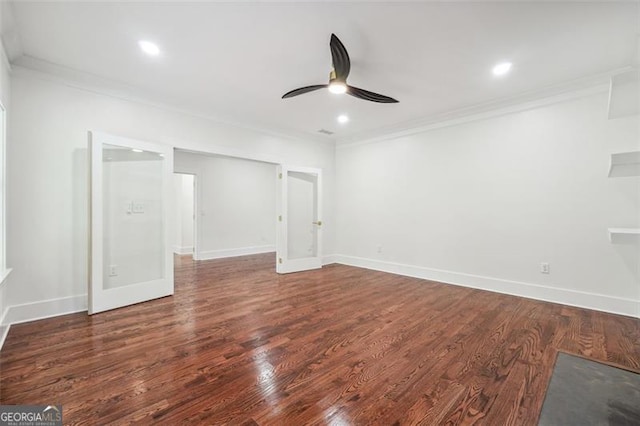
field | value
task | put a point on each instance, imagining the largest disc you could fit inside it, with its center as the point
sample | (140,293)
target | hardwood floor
(239,344)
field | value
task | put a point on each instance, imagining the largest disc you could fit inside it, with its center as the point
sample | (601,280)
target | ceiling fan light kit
(336,86)
(338,78)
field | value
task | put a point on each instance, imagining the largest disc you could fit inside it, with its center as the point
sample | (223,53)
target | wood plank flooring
(239,344)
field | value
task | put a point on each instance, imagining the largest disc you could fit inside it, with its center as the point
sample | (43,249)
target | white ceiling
(235,60)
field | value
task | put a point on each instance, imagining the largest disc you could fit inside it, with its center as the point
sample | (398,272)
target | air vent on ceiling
(325,131)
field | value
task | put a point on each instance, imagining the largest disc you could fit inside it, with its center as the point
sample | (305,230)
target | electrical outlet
(544,268)
(113,270)
(379,248)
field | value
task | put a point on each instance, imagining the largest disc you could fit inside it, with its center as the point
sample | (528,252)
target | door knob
(319,223)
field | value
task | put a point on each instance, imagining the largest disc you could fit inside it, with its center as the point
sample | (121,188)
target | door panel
(301,238)
(131,255)
(300,226)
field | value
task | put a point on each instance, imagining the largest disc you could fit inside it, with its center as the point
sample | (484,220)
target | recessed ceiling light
(337,87)
(136,150)
(161,155)
(343,118)
(149,48)
(502,68)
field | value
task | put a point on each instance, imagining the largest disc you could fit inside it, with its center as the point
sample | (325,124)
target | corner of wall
(16,314)
(4,331)
(4,326)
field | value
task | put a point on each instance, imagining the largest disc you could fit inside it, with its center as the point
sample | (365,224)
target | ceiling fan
(338,78)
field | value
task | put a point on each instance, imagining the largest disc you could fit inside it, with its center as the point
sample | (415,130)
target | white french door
(131,253)
(299,237)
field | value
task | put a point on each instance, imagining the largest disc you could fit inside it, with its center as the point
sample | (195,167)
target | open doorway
(184,214)
(245,206)
(232,202)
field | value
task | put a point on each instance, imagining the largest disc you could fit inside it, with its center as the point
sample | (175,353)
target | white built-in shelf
(624,94)
(621,235)
(624,100)
(625,164)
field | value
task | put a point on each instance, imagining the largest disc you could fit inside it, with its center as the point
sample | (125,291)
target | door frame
(230,153)
(196,248)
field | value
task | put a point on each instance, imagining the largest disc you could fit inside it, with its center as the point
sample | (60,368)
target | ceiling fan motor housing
(333,77)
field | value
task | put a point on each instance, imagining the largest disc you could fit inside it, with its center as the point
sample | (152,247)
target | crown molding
(525,101)
(36,68)
(30,67)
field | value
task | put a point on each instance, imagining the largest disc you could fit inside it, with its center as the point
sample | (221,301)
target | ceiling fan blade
(303,90)
(369,96)
(340,57)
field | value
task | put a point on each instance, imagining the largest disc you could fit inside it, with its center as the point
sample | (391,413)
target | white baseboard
(4,327)
(599,302)
(242,251)
(4,331)
(182,250)
(17,314)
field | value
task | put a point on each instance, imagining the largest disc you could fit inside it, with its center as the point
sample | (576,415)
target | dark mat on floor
(584,392)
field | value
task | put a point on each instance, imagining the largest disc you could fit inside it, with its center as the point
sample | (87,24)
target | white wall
(484,203)
(5,99)
(183,213)
(48,192)
(236,204)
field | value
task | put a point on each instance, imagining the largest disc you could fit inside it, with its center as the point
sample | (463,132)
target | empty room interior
(327,213)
